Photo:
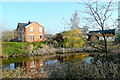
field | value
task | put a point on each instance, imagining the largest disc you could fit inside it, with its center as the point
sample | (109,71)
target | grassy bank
(19,48)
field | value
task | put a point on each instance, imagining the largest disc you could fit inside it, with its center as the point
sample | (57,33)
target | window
(32,64)
(100,38)
(40,36)
(31,37)
(40,29)
(41,63)
(31,29)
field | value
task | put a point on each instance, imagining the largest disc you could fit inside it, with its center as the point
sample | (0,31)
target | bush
(83,70)
(73,39)
(38,45)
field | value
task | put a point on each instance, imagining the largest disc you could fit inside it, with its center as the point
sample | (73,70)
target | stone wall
(45,51)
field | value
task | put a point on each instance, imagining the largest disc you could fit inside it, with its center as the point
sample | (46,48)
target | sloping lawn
(10,48)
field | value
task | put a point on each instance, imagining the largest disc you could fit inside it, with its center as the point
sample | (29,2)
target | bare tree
(9,35)
(74,25)
(85,29)
(98,15)
(74,22)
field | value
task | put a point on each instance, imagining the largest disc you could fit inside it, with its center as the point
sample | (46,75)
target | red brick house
(29,32)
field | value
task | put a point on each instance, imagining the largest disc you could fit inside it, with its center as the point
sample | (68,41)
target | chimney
(29,22)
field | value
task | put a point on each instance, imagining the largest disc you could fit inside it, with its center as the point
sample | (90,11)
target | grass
(20,48)
(10,48)
(37,45)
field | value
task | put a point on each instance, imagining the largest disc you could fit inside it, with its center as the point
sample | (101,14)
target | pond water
(33,62)
(61,66)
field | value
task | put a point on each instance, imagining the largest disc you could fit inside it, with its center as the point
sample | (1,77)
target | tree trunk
(105,41)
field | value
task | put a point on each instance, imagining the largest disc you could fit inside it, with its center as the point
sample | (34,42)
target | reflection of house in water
(35,65)
(20,64)
(14,65)
(30,65)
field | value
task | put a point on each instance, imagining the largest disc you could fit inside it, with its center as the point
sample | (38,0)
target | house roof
(22,25)
(110,31)
(107,35)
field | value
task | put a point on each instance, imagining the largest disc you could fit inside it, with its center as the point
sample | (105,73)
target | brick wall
(36,32)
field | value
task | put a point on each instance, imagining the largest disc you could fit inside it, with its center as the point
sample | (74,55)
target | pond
(33,62)
(73,65)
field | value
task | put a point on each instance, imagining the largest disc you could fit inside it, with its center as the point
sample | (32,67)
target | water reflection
(89,59)
(12,65)
(6,67)
(37,63)
(51,62)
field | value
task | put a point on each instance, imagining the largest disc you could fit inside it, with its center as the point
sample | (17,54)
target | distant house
(29,32)
(71,33)
(48,36)
(109,34)
(117,35)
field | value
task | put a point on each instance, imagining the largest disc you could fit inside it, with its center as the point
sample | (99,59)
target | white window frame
(32,64)
(41,63)
(31,29)
(40,29)
(32,37)
(100,38)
